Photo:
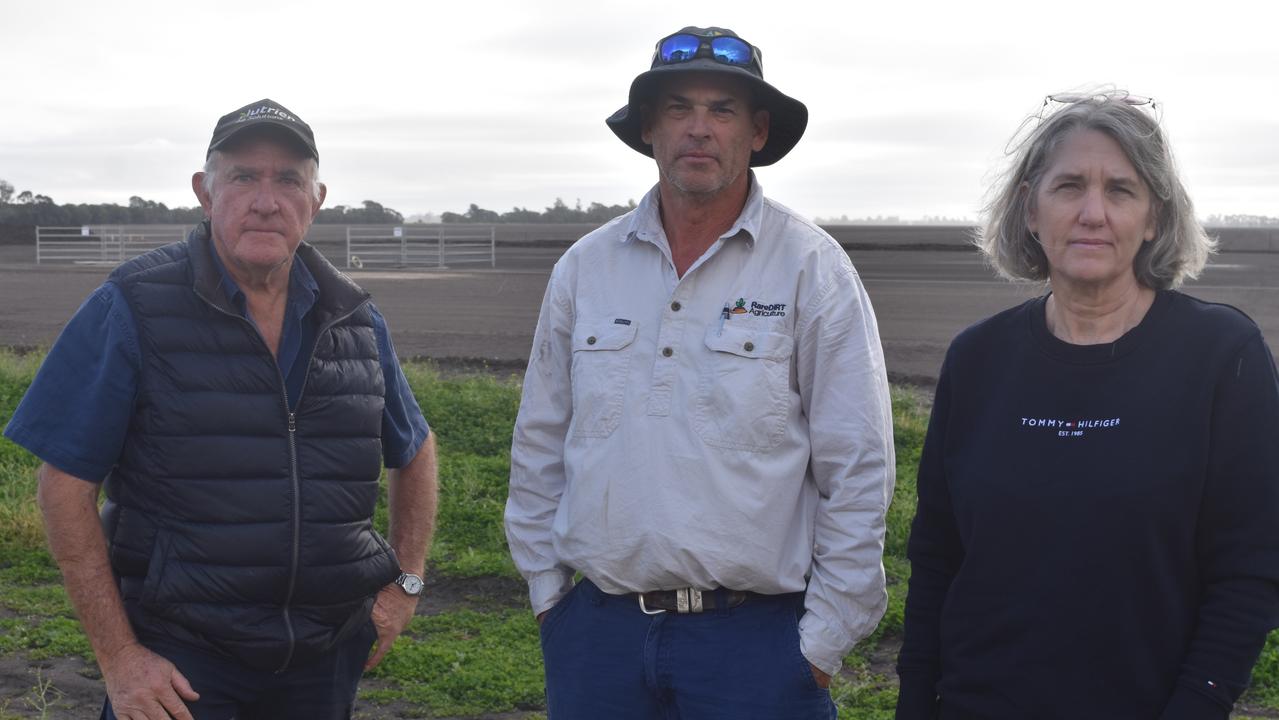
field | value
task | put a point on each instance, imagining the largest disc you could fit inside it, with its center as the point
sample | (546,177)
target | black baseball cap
(263,113)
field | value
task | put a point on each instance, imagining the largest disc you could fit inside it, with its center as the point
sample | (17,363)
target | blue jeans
(323,690)
(605,658)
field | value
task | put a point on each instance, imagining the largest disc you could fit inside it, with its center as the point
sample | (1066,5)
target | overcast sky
(430,106)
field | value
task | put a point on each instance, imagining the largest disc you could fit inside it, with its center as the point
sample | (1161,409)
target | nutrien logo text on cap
(265,110)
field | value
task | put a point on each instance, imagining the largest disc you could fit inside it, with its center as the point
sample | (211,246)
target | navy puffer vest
(233,523)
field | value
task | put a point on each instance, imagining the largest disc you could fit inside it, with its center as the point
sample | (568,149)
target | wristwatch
(411,584)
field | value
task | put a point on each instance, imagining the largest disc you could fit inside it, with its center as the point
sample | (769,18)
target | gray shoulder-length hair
(1180,248)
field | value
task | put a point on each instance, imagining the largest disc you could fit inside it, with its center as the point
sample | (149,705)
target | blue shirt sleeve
(404,429)
(76,413)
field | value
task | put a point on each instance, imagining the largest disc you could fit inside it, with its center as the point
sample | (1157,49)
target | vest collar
(339,295)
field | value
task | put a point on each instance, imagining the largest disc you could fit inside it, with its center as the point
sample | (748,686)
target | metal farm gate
(439,246)
(369,246)
(102,244)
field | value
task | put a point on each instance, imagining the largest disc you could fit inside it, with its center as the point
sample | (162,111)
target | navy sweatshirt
(1097,533)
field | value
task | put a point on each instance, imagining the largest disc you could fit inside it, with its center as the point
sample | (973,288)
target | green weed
(471,415)
(43,696)
(869,697)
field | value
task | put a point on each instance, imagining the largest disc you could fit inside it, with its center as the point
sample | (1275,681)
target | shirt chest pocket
(601,364)
(743,389)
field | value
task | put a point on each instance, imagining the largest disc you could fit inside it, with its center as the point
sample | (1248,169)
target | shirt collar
(303,289)
(646,222)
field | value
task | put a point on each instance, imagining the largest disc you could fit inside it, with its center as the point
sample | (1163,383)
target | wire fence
(102,244)
(373,246)
(439,246)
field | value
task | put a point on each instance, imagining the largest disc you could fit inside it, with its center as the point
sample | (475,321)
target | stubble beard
(700,188)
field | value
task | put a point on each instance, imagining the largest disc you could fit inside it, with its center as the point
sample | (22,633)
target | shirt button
(675,306)
(667,352)
(590,340)
(750,346)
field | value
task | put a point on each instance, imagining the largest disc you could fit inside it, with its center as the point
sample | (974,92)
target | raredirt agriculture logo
(759,309)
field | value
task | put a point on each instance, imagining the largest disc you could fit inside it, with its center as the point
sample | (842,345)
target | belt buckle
(644,609)
(687,600)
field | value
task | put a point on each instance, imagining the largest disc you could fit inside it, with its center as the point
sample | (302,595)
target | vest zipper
(297,483)
(297,527)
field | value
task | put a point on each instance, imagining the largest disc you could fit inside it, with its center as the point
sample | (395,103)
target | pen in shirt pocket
(723,315)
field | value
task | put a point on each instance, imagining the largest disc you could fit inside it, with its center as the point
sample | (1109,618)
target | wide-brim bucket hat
(788,117)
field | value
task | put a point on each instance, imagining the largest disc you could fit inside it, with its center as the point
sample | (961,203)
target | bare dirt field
(485,318)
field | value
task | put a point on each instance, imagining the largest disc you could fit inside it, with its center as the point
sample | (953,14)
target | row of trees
(1241,221)
(27,208)
(372,213)
(894,220)
(559,212)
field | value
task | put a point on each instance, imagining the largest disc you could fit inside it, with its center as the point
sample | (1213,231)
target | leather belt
(689,600)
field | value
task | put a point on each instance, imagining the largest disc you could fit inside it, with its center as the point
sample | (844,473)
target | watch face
(412,584)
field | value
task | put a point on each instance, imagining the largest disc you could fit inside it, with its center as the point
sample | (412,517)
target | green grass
(44,637)
(470,541)
(483,659)
(1265,675)
(465,663)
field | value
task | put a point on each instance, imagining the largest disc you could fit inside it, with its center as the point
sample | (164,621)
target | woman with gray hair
(1097,534)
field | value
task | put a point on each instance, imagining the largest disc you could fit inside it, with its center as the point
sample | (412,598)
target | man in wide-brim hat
(705,433)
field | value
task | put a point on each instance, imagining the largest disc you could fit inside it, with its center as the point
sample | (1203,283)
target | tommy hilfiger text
(1050,423)
(1069,428)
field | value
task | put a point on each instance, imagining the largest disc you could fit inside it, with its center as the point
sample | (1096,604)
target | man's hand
(823,680)
(144,686)
(541,616)
(392,611)
(141,684)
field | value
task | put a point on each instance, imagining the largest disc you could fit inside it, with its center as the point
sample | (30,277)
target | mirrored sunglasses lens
(679,48)
(731,50)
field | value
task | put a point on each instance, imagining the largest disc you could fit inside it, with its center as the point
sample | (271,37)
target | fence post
(439,250)
(493,246)
(348,247)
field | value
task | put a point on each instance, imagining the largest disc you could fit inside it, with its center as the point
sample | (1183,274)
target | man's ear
(205,198)
(319,202)
(761,120)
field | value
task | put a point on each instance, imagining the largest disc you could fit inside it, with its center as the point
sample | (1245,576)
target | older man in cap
(237,397)
(705,432)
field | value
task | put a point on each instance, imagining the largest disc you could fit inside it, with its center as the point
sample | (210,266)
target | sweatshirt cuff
(821,645)
(547,587)
(1186,704)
